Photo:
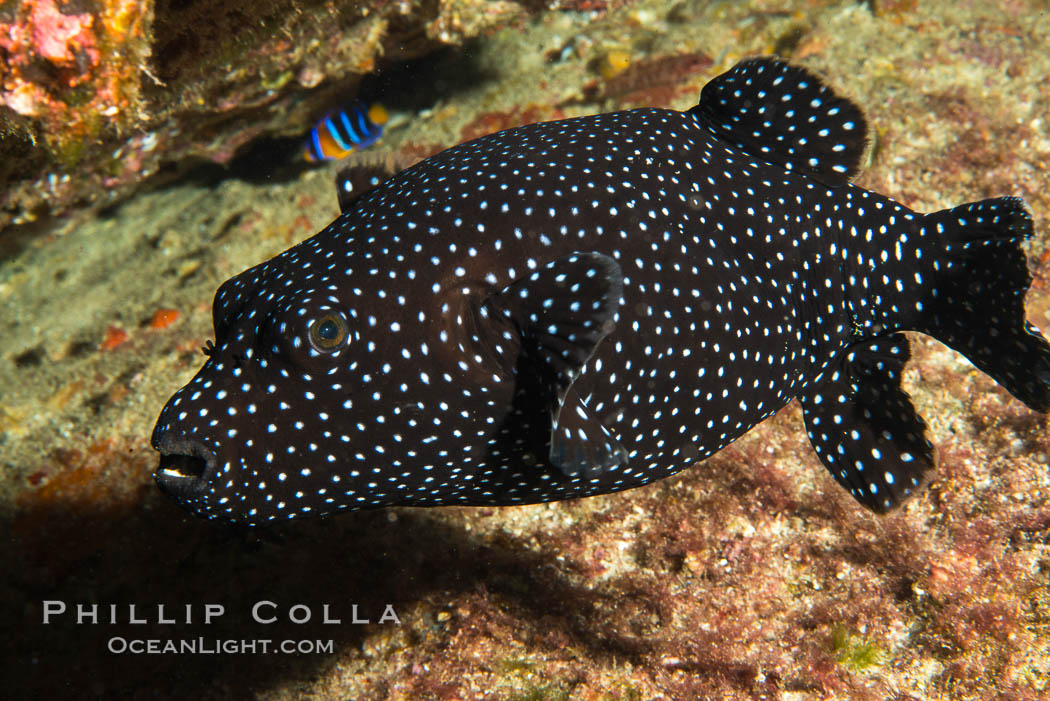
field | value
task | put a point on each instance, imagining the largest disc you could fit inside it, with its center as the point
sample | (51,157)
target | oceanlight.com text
(216,646)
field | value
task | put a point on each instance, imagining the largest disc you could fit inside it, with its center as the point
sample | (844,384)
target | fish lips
(186,467)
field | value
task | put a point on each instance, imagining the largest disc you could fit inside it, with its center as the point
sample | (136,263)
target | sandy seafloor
(751,575)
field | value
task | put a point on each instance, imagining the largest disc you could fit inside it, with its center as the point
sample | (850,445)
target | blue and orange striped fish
(341,132)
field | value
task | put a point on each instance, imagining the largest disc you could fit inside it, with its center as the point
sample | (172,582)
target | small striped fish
(342,132)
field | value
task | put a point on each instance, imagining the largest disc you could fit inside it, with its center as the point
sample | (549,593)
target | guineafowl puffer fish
(584,306)
(344,131)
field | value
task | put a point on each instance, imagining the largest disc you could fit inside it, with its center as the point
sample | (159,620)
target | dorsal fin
(364,171)
(784,114)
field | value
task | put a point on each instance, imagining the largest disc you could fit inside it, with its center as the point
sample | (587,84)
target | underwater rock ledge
(97,97)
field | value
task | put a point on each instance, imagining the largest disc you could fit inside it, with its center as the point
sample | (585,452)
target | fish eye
(328,333)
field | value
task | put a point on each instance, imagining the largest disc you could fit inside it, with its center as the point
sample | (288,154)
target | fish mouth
(185,468)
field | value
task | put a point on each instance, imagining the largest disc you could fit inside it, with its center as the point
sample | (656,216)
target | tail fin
(976,305)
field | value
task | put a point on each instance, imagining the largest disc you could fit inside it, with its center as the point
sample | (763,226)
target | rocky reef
(98,96)
(749,576)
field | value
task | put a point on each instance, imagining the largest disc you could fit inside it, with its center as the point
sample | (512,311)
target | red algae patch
(163,318)
(113,337)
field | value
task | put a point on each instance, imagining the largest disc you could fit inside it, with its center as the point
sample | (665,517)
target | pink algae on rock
(60,37)
(67,68)
(96,96)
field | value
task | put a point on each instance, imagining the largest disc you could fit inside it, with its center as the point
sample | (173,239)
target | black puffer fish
(584,306)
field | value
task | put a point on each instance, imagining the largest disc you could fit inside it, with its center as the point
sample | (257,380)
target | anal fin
(864,428)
